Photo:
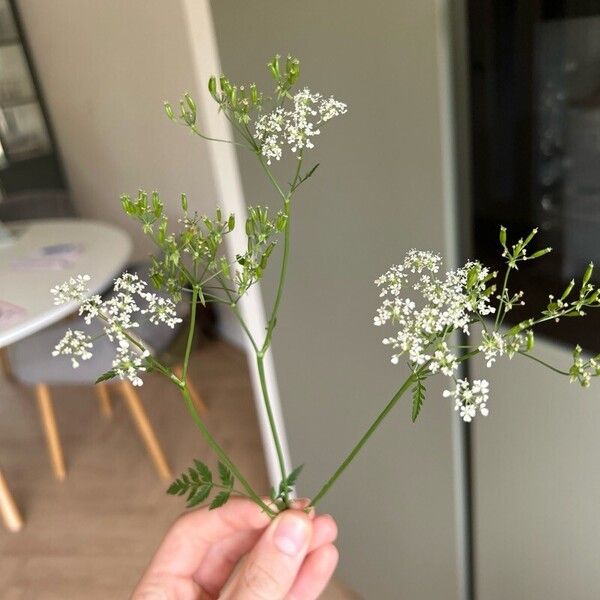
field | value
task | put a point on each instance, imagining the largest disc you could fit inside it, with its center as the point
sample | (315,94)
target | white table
(104,251)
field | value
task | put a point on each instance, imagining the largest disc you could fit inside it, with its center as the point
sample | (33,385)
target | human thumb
(272,566)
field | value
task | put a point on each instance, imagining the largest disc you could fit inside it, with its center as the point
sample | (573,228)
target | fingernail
(291,534)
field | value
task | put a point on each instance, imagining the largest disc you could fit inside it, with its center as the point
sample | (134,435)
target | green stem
(221,453)
(282,275)
(274,433)
(272,179)
(545,364)
(502,294)
(195,130)
(363,440)
(188,347)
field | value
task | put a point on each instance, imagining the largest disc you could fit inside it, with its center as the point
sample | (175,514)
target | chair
(32,364)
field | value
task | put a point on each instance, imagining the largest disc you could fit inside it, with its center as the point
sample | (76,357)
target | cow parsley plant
(437,320)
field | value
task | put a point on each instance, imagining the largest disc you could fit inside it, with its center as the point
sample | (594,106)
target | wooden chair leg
(10,513)
(140,418)
(49,422)
(6,366)
(194,394)
(104,399)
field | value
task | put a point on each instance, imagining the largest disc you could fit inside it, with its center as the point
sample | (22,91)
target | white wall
(105,69)
(380,191)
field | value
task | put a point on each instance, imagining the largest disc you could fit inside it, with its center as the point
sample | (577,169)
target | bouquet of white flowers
(427,308)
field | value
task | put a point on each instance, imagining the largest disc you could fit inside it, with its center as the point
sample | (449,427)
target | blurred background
(463,115)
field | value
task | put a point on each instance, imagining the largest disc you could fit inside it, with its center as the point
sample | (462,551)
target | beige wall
(105,69)
(537,476)
(379,192)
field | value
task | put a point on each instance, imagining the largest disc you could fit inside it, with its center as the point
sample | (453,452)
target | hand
(291,557)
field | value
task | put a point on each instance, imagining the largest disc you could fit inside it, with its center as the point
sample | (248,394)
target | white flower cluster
(118,316)
(74,289)
(129,362)
(295,127)
(75,344)
(448,304)
(470,398)
(444,304)
(494,345)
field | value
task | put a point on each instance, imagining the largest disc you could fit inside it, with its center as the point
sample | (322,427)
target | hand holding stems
(291,556)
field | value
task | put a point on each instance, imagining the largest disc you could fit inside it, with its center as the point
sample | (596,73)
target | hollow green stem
(365,438)
(273,426)
(223,457)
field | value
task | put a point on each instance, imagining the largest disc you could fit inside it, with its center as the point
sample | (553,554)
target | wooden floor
(91,536)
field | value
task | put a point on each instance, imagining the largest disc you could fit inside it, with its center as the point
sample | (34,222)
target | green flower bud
(184,202)
(503,235)
(530,341)
(568,289)
(587,275)
(225,85)
(212,87)
(169,111)
(530,236)
(190,102)
(225,266)
(274,67)
(540,253)
(231,222)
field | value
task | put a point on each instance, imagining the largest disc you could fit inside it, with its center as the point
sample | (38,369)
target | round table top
(45,253)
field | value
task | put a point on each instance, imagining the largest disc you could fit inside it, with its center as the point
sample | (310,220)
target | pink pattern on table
(10,313)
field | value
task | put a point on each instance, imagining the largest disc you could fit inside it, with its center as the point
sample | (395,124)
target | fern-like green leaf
(418,394)
(106,376)
(225,476)
(220,499)
(293,476)
(203,471)
(200,495)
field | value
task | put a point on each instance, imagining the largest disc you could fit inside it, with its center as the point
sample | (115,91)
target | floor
(90,536)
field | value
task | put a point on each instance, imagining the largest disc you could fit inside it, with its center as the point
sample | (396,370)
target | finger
(186,543)
(220,561)
(274,562)
(324,532)
(304,504)
(314,574)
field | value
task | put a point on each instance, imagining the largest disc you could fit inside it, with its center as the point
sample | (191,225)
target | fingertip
(325,531)
(315,574)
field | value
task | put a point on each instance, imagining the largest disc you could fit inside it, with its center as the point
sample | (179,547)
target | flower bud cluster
(581,370)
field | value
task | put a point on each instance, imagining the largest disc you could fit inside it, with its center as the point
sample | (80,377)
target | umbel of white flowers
(447,304)
(297,126)
(455,302)
(117,315)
